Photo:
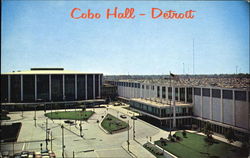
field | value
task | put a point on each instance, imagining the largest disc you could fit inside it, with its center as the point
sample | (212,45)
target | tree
(229,135)
(184,133)
(208,130)
(209,139)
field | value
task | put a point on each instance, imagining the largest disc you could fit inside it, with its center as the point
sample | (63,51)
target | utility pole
(44,108)
(51,107)
(63,146)
(22,111)
(73,154)
(170,104)
(81,130)
(133,128)
(193,58)
(35,116)
(51,140)
(128,135)
(46,130)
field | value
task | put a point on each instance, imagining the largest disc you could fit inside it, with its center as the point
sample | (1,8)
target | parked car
(134,118)
(123,116)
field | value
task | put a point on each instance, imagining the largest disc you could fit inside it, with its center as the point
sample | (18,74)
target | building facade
(49,84)
(222,107)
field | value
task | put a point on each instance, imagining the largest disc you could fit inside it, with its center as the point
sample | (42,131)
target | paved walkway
(137,150)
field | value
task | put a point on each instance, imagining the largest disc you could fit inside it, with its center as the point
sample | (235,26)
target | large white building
(222,107)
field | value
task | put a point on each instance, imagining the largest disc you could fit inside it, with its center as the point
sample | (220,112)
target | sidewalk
(137,150)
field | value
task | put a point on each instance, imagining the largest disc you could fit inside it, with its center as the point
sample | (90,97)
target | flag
(174,76)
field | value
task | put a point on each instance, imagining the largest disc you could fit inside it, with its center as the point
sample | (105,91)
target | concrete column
(222,106)
(93,86)
(21,87)
(201,104)
(174,108)
(9,77)
(211,104)
(35,87)
(75,87)
(86,87)
(63,81)
(234,113)
(49,86)
(185,94)
(99,88)
(179,94)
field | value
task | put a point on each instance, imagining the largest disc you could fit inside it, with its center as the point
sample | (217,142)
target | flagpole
(170,103)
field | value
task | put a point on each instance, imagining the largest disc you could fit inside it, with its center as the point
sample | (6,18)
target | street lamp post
(133,129)
(128,135)
(63,146)
(46,130)
(35,116)
(51,140)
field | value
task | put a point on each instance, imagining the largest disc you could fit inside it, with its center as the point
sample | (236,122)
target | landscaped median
(71,115)
(195,146)
(112,124)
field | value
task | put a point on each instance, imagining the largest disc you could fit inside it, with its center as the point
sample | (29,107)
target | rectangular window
(176,93)
(169,92)
(90,87)
(81,87)
(197,91)
(182,94)
(216,93)
(206,92)
(189,95)
(15,88)
(227,94)
(4,88)
(158,91)
(69,87)
(57,87)
(43,87)
(164,92)
(240,95)
(28,88)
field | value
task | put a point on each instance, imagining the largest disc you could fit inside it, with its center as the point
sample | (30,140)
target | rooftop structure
(234,81)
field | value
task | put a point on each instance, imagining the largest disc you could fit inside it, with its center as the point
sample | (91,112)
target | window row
(226,94)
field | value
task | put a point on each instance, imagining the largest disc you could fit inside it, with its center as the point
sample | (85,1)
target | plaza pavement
(94,143)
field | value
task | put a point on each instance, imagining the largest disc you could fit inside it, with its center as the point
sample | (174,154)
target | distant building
(49,84)
(222,107)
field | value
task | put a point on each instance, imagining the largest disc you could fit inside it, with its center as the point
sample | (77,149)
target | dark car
(134,118)
(123,116)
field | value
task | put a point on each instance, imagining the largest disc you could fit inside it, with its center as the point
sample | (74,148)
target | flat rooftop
(44,71)
(159,103)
